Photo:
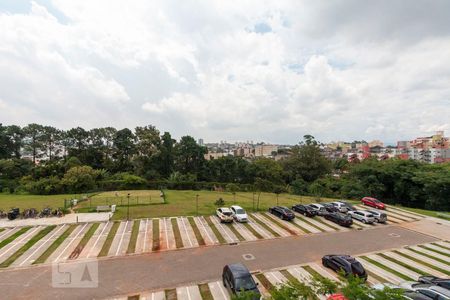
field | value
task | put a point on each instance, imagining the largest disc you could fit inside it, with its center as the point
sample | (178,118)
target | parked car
(346,263)
(330,207)
(363,216)
(336,297)
(239,214)
(379,216)
(407,294)
(340,219)
(319,208)
(348,205)
(342,207)
(369,201)
(224,214)
(442,282)
(429,290)
(304,210)
(237,278)
(282,212)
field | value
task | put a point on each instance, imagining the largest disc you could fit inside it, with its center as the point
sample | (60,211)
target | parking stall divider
(176,233)
(109,239)
(27,246)
(171,294)
(265,226)
(441,246)
(205,292)
(446,262)
(236,232)
(155,227)
(264,281)
(434,250)
(279,224)
(87,236)
(14,236)
(305,230)
(1,229)
(253,231)
(400,263)
(56,243)
(197,233)
(309,223)
(431,266)
(289,276)
(402,214)
(311,271)
(327,224)
(216,232)
(387,269)
(133,238)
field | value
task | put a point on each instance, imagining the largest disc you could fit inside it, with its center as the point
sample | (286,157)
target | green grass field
(7,201)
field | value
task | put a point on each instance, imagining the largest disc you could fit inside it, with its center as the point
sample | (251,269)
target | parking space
(10,248)
(218,291)
(226,233)
(144,240)
(270,224)
(167,237)
(187,233)
(188,293)
(205,231)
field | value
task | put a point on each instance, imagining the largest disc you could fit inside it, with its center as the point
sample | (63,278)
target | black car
(237,278)
(330,207)
(348,205)
(442,282)
(344,263)
(282,212)
(304,210)
(340,218)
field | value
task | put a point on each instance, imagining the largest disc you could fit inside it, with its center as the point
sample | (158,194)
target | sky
(268,71)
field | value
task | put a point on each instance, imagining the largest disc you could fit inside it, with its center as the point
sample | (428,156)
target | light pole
(253,201)
(196,204)
(128,207)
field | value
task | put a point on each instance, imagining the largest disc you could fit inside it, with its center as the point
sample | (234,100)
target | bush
(232,187)
(45,186)
(219,202)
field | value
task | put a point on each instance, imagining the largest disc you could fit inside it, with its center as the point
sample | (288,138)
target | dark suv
(282,212)
(340,218)
(346,264)
(237,279)
(304,210)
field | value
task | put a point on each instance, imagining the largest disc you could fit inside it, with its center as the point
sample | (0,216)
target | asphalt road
(132,274)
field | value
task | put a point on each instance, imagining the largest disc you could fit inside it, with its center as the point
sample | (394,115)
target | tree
(51,138)
(15,137)
(267,169)
(124,149)
(166,155)
(80,179)
(34,140)
(147,148)
(189,156)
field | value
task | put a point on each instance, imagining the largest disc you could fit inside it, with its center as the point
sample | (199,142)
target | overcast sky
(229,70)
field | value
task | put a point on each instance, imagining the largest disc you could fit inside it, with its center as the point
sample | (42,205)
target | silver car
(429,290)
(379,216)
(363,216)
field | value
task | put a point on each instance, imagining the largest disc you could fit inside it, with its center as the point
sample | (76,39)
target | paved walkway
(67,219)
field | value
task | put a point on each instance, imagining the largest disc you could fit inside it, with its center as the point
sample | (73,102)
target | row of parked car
(339,212)
(230,214)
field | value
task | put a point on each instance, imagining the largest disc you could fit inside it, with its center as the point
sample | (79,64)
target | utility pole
(128,207)
(196,204)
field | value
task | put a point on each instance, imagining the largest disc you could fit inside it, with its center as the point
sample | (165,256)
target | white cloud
(218,70)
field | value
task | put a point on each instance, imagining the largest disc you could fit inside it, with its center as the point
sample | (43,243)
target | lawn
(430,213)
(183,203)
(120,198)
(7,201)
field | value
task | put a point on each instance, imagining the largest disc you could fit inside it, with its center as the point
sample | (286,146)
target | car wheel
(364,221)
(325,264)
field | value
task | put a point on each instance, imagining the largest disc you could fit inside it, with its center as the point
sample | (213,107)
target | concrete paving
(67,219)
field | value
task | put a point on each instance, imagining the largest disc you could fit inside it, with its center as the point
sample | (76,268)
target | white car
(224,214)
(430,290)
(341,206)
(321,210)
(239,214)
(363,216)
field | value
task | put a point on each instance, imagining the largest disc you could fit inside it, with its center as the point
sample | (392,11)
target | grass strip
(429,256)
(398,274)
(443,247)
(236,233)
(56,243)
(434,250)
(14,236)
(310,223)
(87,236)
(313,272)
(397,212)
(264,281)
(376,277)
(176,233)
(289,276)
(133,297)
(197,233)
(134,236)
(422,262)
(1,229)
(215,231)
(171,294)
(404,265)
(27,246)
(265,226)
(155,227)
(305,230)
(279,224)
(253,231)
(205,292)
(109,239)
(327,224)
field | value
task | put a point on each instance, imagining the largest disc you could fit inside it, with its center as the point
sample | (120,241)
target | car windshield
(245,283)
(376,201)
(227,213)
(240,211)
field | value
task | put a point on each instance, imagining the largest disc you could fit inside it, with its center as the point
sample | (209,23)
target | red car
(369,201)
(336,297)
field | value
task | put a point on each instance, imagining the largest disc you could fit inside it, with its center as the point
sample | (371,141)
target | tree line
(79,160)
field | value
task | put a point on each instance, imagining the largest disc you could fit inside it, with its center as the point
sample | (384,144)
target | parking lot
(25,246)
(393,266)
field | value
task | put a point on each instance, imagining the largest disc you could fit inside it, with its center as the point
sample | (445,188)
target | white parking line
(68,245)
(96,241)
(165,231)
(145,236)
(121,238)
(24,237)
(204,229)
(43,244)
(213,218)
(244,231)
(6,232)
(185,230)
